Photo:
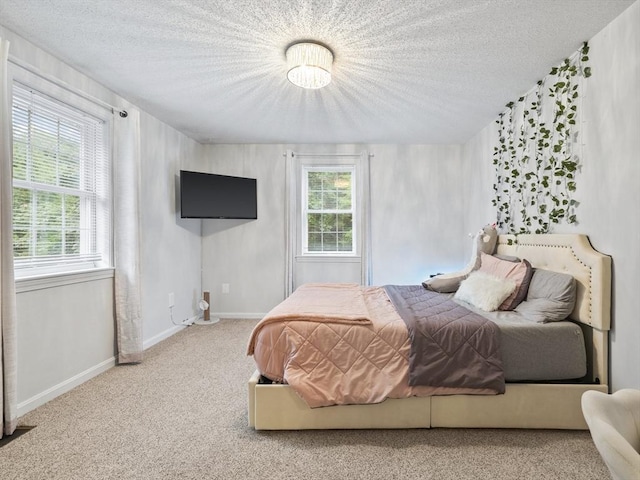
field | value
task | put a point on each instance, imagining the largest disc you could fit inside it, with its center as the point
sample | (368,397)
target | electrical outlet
(225,288)
(172,300)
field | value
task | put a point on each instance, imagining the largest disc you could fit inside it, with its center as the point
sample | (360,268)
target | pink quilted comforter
(338,344)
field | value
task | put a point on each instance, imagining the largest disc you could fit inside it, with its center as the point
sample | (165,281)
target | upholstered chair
(614,423)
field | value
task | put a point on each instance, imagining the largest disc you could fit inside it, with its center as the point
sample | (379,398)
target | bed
(523,402)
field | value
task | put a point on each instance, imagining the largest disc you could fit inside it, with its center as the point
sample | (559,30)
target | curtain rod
(65,86)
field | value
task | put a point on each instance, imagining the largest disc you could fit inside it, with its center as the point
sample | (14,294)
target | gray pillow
(551,297)
(444,283)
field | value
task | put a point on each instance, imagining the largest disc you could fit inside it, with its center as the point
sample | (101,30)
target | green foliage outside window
(46,222)
(329,211)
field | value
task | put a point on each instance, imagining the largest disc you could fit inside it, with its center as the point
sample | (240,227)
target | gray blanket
(450,345)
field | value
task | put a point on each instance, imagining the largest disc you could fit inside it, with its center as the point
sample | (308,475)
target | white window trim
(294,161)
(70,273)
(45,281)
(304,210)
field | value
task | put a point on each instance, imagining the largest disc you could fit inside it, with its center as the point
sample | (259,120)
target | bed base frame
(549,406)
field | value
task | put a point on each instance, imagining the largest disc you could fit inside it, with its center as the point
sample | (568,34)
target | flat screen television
(207,195)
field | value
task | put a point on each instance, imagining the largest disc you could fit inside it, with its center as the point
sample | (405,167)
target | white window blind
(329,210)
(61,186)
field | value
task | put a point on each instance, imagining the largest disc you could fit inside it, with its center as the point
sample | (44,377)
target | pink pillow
(520,272)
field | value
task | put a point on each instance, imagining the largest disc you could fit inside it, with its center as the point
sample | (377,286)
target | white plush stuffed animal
(484,241)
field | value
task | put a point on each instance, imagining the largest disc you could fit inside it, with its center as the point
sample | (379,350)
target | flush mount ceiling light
(309,65)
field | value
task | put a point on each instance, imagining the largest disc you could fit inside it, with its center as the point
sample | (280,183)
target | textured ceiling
(423,71)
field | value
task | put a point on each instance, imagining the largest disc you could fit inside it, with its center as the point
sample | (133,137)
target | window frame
(339,168)
(102,259)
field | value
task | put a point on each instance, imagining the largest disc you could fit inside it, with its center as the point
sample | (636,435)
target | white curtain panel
(126,236)
(8,317)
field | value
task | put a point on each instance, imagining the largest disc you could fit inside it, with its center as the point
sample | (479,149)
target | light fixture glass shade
(309,65)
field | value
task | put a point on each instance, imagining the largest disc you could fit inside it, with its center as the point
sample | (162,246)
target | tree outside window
(58,196)
(329,210)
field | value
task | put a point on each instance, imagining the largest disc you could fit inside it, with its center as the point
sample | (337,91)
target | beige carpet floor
(182,415)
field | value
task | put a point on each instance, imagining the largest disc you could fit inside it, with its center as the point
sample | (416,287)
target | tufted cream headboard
(573,254)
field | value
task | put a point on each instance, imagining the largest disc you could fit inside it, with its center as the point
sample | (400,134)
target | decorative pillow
(484,241)
(445,283)
(551,297)
(520,272)
(507,258)
(484,290)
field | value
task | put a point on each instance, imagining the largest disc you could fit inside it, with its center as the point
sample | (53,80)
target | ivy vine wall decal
(536,159)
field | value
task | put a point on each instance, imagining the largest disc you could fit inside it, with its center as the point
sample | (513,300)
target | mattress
(538,351)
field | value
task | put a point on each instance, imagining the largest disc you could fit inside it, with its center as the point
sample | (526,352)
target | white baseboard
(237,315)
(150,342)
(63,387)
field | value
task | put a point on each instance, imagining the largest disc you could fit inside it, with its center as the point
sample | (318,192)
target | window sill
(52,280)
(328,258)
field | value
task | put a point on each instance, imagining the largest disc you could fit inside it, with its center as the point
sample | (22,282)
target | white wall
(412,235)
(417,208)
(169,246)
(608,185)
(249,255)
(65,336)
(66,333)
(609,189)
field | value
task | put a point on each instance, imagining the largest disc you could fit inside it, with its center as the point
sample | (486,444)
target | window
(329,210)
(61,194)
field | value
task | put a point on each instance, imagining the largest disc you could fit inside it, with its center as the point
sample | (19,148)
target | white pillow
(485,291)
